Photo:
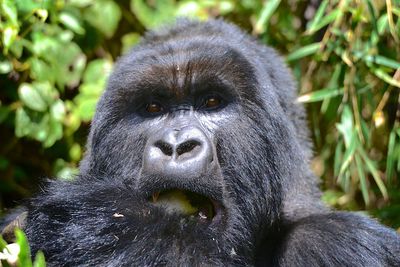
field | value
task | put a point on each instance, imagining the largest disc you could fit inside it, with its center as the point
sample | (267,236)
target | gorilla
(198,155)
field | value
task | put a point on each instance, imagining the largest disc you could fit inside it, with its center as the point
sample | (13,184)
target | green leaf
(18,46)
(129,40)
(375,174)
(3,243)
(104,15)
(40,127)
(382,24)
(71,22)
(266,12)
(63,170)
(31,98)
(54,132)
(24,256)
(41,71)
(22,123)
(346,125)
(26,7)
(5,66)
(9,35)
(75,152)
(320,95)
(86,107)
(338,157)
(4,112)
(391,157)
(4,163)
(57,110)
(325,21)
(40,260)
(65,58)
(363,180)
(9,10)
(381,60)
(42,14)
(311,27)
(385,77)
(155,13)
(97,70)
(331,197)
(304,51)
(349,154)
(81,3)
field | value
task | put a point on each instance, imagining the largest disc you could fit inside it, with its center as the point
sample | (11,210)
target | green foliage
(356,65)
(18,253)
(56,56)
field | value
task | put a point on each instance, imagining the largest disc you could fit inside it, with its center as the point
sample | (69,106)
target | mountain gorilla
(198,155)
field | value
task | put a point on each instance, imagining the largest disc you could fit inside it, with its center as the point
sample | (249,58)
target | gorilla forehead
(184,68)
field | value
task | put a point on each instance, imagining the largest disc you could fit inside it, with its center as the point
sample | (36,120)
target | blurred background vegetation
(56,56)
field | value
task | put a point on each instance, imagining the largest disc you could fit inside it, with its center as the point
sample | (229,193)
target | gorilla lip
(187,203)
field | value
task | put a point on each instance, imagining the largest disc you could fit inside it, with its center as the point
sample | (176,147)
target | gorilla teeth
(185,202)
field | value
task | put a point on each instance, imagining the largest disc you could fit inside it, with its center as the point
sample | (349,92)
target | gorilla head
(197,155)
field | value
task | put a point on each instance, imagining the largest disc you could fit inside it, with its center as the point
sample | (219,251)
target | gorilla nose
(186,149)
(186,152)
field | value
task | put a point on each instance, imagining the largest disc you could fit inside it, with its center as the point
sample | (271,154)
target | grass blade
(303,51)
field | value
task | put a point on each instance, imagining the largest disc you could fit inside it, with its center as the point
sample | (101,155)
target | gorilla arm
(332,239)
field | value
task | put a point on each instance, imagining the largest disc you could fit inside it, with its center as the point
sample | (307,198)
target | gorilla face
(189,157)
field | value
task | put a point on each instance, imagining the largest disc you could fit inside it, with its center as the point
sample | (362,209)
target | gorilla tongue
(184,202)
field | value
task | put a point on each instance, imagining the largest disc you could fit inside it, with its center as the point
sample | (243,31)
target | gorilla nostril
(187,147)
(164,147)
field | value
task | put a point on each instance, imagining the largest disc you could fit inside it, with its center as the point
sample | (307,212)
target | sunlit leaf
(86,107)
(155,13)
(70,21)
(57,110)
(104,15)
(40,260)
(42,14)
(375,174)
(303,52)
(349,154)
(24,256)
(346,125)
(75,152)
(97,71)
(129,40)
(30,96)
(324,21)
(22,123)
(338,158)
(320,95)
(363,180)
(3,243)
(391,157)
(267,11)
(381,60)
(384,76)
(9,35)
(54,132)
(382,24)
(9,10)
(5,66)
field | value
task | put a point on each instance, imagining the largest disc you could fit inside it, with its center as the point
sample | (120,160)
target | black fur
(272,212)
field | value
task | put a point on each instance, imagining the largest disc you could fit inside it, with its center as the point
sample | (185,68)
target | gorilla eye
(212,102)
(154,107)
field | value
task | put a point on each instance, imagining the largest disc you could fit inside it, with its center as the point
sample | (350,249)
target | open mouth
(187,203)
